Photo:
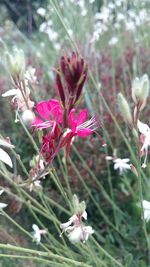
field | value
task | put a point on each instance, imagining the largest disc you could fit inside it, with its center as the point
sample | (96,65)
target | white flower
(2,205)
(130,26)
(113,41)
(30,75)
(76,230)
(35,183)
(120,17)
(145,138)
(95,37)
(41,11)
(37,233)
(146,208)
(4,157)
(122,165)
(79,233)
(18,97)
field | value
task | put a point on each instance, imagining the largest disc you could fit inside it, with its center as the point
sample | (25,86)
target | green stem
(44,254)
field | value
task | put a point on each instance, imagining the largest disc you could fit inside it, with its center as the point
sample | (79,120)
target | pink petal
(43,110)
(82,117)
(72,120)
(56,110)
(40,124)
(84,133)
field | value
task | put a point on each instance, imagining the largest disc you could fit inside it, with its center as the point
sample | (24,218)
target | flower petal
(3,205)
(82,117)
(43,109)
(72,120)
(143,128)
(35,228)
(1,191)
(5,158)
(10,93)
(84,133)
(125,160)
(146,205)
(76,235)
(5,143)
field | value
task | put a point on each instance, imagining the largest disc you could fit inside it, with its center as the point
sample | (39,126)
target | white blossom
(113,41)
(41,11)
(4,157)
(37,233)
(74,227)
(35,183)
(121,164)
(146,208)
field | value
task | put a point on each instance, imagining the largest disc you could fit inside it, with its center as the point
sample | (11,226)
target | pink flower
(80,126)
(47,113)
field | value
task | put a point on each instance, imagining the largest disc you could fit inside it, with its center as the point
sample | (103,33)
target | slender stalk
(44,254)
(34,258)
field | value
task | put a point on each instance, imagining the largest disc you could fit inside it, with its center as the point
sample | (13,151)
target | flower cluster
(21,80)
(59,118)
(75,228)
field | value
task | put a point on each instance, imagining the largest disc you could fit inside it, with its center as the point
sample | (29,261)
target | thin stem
(44,254)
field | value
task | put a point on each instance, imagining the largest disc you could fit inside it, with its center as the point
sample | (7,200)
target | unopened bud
(16,62)
(125,109)
(79,207)
(28,116)
(133,169)
(140,90)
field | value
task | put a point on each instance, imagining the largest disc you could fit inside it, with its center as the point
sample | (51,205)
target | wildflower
(4,157)
(22,101)
(20,98)
(75,228)
(77,126)
(41,11)
(80,126)
(35,183)
(145,139)
(2,205)
(113,41)
(47,113)
(146,208)
(37,233)
(121,164)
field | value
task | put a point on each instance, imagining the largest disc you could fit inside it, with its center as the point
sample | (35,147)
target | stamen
(90,124)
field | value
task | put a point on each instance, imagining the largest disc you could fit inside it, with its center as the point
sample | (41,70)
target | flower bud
(79,207)
(140,90)
(70,79)
(28,116)
(16,62)
(125,109)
